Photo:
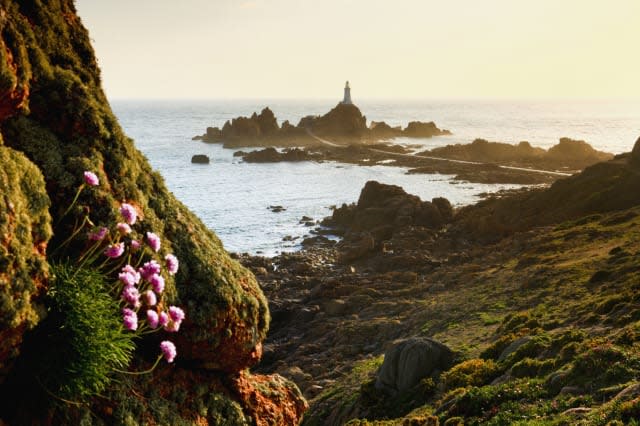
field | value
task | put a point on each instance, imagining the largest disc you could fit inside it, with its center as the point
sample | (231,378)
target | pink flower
(150,298)
(157,282)
(99,234)
(172,327)
(149,269)
(131,296)
(129,319)
(129,213)
(135,245)
(163,319)
(154,241)
(123,228)
(152,318)
(129,276)
(91,179)
(172,264)
(168,350)
(114,250)
(176,313)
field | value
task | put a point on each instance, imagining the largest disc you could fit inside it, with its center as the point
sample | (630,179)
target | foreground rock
(55,124)
(344,124)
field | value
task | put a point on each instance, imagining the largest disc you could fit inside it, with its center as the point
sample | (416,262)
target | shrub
(85,339)
(473,372)
(529,367)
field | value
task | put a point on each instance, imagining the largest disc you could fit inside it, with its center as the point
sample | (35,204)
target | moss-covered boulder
(25,228)
(63,124)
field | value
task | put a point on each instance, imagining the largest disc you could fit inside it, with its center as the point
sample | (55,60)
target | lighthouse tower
(347,94)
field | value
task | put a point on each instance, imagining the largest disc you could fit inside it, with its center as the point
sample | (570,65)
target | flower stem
(139,373)
(72,203)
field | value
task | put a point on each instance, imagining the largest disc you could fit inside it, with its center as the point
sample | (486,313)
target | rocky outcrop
(382,209)
(635,154)
(603,187)
(271,155)
(257,130)
(411,360)
(418,129)
(344,122)
(567,154)
(342,125)
(25,228)
(68,128)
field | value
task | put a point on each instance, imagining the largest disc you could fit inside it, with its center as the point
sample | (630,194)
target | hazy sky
(387,49)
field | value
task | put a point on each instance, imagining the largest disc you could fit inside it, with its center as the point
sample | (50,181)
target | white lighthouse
(347,94)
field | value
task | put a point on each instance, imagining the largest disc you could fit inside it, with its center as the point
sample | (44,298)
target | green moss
(473,372)
(25,228)
(70,128)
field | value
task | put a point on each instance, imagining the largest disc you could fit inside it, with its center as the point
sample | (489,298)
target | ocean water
(233,198)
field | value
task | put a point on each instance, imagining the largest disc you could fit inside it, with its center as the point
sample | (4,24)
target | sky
(226,49)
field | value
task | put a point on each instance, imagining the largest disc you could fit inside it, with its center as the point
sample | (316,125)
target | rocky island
(342,125)
(342,135)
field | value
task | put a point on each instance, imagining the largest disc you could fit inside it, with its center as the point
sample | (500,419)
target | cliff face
(56,122)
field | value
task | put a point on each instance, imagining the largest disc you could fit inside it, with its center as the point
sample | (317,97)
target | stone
(513,346)
(200,159)
(411,360)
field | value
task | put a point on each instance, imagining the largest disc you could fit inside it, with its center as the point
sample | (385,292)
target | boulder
(200,159)
(355,246)
(410,361)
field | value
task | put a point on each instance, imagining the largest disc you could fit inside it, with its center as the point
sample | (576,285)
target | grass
(583,333)
(86,342)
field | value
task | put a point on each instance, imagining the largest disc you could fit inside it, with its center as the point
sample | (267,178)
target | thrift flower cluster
(140,282)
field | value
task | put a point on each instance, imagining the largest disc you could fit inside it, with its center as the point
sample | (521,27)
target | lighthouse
(347,94)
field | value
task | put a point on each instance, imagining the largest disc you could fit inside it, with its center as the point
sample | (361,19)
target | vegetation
(566,350)
(83,339)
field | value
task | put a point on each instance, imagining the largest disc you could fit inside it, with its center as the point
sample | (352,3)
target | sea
(234,198)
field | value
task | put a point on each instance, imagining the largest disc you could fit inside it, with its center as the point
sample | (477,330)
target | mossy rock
(69,128)
(25,228)
(63,124)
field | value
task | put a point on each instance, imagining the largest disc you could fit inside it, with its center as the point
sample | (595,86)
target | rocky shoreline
(478,162)
(465,279)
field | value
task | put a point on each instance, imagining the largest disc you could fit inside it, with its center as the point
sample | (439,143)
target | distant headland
(343,125)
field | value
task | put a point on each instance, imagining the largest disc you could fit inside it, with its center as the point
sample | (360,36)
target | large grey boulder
(410,361)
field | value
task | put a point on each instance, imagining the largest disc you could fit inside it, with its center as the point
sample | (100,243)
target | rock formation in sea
(342,125)
(55,123)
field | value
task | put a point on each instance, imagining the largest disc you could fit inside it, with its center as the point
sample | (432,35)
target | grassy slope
(571,287)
